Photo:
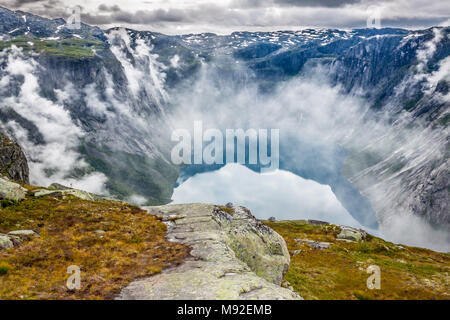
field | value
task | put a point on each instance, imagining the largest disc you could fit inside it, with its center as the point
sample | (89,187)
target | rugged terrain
(233,256)
(95,108)
(193,251)
(206,252)
(111,242)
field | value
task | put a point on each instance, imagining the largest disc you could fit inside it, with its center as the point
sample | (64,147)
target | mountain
(94,108)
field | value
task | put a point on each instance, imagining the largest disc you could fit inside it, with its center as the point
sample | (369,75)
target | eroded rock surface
(314,244)
(10,190)
(234,256)
(13,163)
(351,234)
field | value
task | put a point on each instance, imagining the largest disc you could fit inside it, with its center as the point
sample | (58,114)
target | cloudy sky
(225,16)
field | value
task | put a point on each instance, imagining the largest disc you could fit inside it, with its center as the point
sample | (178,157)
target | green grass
(339,273)
(72,48)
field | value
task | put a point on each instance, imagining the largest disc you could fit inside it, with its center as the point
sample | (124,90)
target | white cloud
(174,17)
(59,153)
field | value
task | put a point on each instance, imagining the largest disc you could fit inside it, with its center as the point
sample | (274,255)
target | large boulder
(254,243)
(5,242)
(10,190)
(13,163)
(15,238)
(23,233)
(233,256)
(351,234)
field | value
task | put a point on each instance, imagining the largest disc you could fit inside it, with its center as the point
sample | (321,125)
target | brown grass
(339,273)
(230,211)
(132,246)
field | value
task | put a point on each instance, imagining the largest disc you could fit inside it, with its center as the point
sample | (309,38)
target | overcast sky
(225,16)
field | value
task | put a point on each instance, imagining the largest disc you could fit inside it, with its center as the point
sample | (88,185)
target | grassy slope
(72,48)
(340,271)
(132,246)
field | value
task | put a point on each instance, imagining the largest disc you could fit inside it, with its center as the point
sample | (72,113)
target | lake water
(280,194)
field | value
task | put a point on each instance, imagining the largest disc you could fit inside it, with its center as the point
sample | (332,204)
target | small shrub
(4,268)
(136,239)
(364,247)
(230,211)
(360,296)
(7,203)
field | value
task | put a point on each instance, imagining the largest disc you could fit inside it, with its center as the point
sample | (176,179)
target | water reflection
(281,194)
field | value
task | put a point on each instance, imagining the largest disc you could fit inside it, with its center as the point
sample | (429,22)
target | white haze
(60,133)
(308,108)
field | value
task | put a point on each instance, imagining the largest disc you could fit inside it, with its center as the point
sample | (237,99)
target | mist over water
(281,194)
(318,125)
(314,119)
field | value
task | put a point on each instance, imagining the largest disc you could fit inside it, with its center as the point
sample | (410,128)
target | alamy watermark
(374,17)
(211,146)
(74,281)
(74,20)
(374,281)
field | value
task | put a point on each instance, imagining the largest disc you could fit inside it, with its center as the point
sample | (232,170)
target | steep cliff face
(92,101)
(403,170)
(13,163)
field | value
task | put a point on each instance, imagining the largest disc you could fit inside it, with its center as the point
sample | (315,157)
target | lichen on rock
(351,234)
(10,190)
(232,257)
(259,247)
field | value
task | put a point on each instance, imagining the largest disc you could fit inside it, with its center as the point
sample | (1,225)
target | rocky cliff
(13,163)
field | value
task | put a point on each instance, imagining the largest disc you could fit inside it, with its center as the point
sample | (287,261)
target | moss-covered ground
(71,47)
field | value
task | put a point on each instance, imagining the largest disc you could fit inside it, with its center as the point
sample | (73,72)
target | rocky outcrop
(5,242)
(58,190)
(233,256)
(13,163)
(319,245)
(351,234)
(10,190)
(74,192)
(23,233)
(15,238)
